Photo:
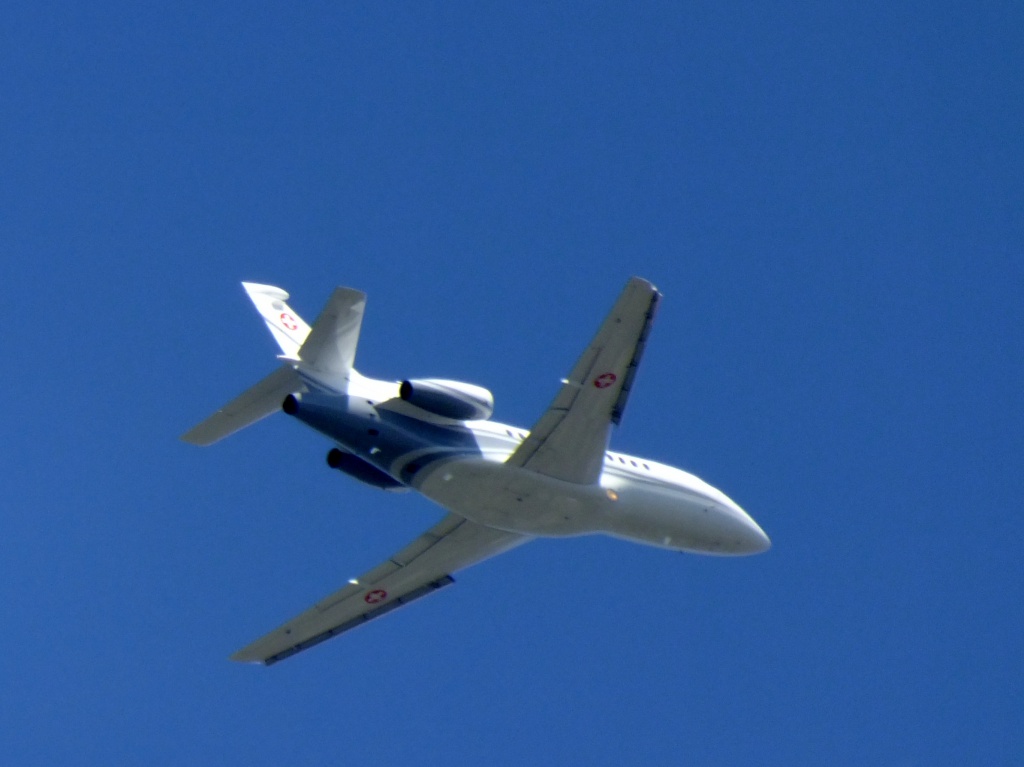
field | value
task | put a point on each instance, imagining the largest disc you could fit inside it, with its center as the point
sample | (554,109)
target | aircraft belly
(522,501)
(514,499)
(675,518)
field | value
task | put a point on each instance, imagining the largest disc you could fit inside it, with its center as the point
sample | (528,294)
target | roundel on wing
(605,380)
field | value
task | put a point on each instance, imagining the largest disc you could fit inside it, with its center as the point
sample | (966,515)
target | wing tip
(249,660)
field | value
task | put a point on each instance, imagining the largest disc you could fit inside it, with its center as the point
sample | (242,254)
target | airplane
(500,486)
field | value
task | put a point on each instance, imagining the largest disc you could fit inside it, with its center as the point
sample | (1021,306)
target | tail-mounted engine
(366,472)
(448,399)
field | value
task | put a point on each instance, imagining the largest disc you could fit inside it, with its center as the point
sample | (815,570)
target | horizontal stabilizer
(258,402)
(330,349)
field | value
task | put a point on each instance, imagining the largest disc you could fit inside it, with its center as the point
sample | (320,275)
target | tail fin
(287,327)
(323,353)
(328,349)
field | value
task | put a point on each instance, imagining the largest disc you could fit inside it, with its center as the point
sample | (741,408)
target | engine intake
(448,399)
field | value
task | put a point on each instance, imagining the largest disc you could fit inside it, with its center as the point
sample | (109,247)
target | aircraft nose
(747,536)
(753,539)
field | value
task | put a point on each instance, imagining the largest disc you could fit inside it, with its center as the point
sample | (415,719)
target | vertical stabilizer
(288,328)
(323,353)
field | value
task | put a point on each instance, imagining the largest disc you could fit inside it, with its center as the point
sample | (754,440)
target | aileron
(422,567)
(355,622)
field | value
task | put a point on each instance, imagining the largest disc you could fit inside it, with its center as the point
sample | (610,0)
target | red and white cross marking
(375,597)
(605,380)
(289,322)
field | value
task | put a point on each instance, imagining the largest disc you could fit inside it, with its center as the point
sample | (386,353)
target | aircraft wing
(417,570)
(570,439)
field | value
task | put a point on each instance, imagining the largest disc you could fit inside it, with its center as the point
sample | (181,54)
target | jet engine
(366,472)
(448,399)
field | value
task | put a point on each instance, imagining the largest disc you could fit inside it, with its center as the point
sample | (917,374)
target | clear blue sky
(830,198)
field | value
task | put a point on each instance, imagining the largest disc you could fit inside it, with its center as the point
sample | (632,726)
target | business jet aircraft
(501,486)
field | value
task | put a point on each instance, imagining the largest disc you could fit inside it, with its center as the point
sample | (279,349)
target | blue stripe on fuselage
(386,439)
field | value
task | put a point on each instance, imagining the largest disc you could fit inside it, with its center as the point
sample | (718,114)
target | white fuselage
(502,486)
(461,466)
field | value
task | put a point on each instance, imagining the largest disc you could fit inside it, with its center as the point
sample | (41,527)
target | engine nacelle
(448,399)
(356,467)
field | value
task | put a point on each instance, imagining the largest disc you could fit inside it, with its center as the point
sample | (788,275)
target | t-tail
(321,356)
